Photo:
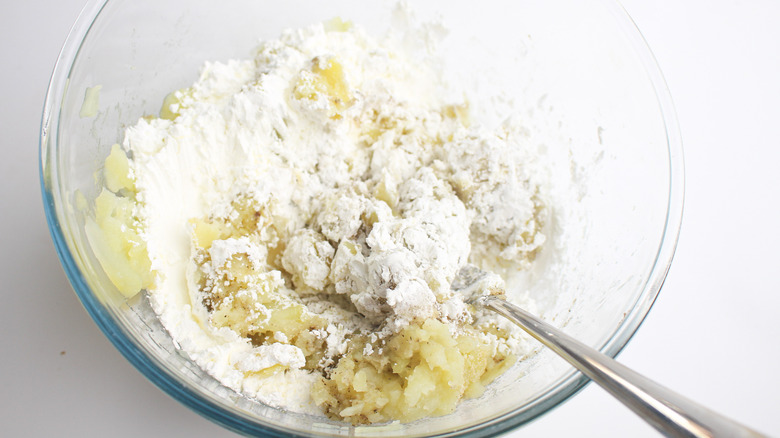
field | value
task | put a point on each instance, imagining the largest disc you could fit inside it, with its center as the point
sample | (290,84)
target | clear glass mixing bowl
(577,73)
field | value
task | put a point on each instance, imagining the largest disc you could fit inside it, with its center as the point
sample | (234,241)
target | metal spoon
(670,413)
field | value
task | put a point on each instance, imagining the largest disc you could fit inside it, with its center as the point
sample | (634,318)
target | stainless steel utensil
(670,413)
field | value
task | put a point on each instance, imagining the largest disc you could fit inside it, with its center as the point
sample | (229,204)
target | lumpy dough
(298,220)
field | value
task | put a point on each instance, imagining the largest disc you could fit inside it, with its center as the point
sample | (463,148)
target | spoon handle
(670,413)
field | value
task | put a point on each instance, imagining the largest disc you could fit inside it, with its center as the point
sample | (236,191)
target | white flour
(375,187)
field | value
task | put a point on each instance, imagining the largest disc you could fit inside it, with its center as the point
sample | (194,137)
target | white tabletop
(713,334)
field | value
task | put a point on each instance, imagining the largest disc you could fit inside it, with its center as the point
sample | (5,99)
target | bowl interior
(578,76)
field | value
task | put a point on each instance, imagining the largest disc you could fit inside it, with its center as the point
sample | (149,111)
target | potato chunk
(422,371)
(114,238)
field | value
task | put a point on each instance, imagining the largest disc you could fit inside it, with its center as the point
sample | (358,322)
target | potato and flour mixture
(298,220)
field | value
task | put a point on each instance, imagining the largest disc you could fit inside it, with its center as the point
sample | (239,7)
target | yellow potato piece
(325,78)
(422,371)
(337,24)
(205,233)
(114,239)
(172,103)
(117,171)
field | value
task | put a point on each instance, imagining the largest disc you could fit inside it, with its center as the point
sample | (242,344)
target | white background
(713,334)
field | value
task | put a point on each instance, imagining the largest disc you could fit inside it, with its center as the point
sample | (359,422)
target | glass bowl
(579,76)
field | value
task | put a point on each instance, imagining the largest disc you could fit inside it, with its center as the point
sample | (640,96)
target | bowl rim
(568,386)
